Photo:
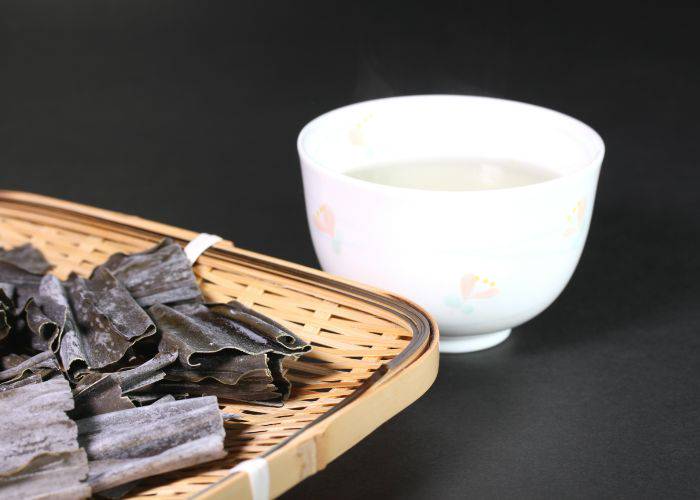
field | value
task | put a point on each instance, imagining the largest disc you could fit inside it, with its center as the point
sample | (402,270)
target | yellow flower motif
(356,133)
(575,218)
(474,287)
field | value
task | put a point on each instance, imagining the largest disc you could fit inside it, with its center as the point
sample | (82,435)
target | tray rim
(379,397)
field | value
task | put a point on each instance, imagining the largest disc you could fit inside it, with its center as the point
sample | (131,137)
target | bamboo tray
(374,353)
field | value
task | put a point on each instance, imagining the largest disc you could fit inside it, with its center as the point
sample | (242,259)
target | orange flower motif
(324,220)
(471,287)
(475,287)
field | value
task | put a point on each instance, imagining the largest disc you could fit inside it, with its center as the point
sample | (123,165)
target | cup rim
(592,138)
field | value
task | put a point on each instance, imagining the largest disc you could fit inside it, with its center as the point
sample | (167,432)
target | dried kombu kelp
(39,452)
(210,328)
(130,368)
(49,476)
(37,413)
(278,375)
(227,367)
(106,474)
(47,314)
(232,417)
(264,325)
(6,319)
(21,369)
(251,378)
(145,374)
(145,398)
(26,257)
(32,369)
(154,395)
(18,284)
(94,323)
(225,350)
(51,322)
(161,275)
(108,318)
(131,444)
(8,289)
(262,392)
(168,398)
(21,270)
(113,301)
(26,380)
(98,393)
(11,359)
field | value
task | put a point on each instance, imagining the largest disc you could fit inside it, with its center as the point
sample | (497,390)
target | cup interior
(444,126)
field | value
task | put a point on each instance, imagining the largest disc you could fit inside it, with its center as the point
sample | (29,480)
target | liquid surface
(464,174)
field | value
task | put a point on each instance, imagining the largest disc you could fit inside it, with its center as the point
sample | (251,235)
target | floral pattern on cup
(575,218)
(357,132)
(324,222)
(471,287)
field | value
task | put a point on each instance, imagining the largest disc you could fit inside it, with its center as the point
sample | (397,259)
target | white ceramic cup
(482,262)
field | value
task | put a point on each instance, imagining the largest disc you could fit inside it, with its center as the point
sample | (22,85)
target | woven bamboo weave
(362,339)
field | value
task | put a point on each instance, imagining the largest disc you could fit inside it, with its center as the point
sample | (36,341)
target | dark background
(187,113)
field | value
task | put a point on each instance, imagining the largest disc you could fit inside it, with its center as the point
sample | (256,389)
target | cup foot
(471,343)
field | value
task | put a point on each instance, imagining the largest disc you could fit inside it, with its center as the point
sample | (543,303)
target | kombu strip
(263,325)
(152,397)
(211,328)
(47,314)
(39,452)
(240,377)
(260,380)
(160,275)
(31,369)
(26,257)
(6,319)
(98,393)
(145,374)
(262,392)
(20,283)
(227,367)
(21,269)
(109,321)
(283,385)
(128,445)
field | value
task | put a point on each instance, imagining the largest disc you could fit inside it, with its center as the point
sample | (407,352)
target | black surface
(187,113)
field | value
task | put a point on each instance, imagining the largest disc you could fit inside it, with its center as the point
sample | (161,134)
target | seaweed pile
(40,452)
(134,338)
(45,454)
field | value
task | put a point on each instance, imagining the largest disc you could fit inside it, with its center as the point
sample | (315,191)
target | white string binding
(199,245)
(258,476)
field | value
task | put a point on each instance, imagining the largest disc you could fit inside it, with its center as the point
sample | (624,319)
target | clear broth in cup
(461,174)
